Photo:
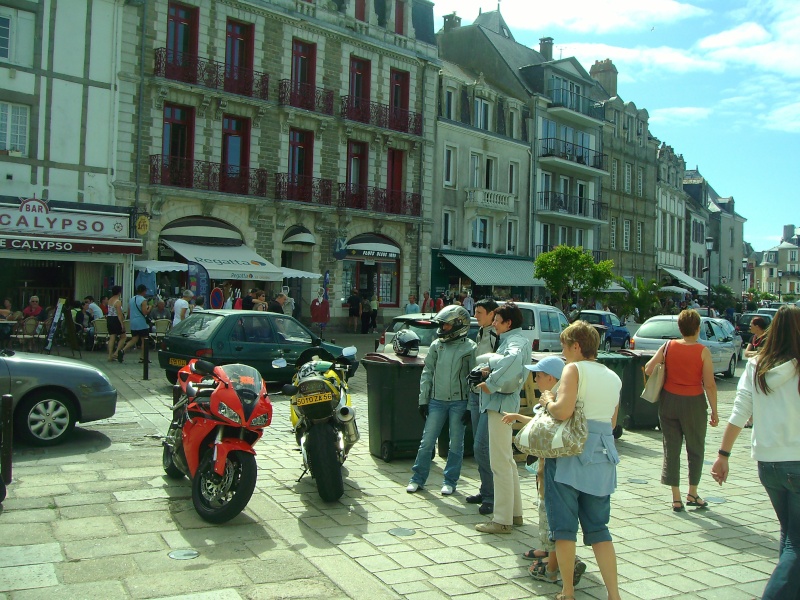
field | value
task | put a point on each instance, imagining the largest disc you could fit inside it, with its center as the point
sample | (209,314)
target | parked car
(615,333)
(656,330)
(703,312)
(542,324)
(731,331)
(743,325)
(423,326)
(52,394)
(767,311)
(248,337)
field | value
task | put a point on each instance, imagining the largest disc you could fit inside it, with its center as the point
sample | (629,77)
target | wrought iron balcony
(597,255)
(302,188)
(202,175)
(380,200)
(194,70)
(576,102)
(480,198)
(537,250)
(553,147)
(381,115)
(306,96)
(571,205)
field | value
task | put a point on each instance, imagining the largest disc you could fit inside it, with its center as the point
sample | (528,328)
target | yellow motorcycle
(323,418)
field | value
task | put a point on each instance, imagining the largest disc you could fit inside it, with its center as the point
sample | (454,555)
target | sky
(720,80)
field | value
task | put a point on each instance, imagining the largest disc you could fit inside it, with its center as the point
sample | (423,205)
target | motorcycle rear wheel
(324,462)
(172,471)
(218,499)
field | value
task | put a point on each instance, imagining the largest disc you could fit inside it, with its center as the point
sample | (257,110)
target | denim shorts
(566,507)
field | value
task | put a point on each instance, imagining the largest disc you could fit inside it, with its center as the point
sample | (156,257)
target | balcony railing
(381,115)
(202,175)
(492,199)
(582,104)
(597,255)
(572,205)
(573,152)
(302,188)
(194,70)
(306,96)
(392,202)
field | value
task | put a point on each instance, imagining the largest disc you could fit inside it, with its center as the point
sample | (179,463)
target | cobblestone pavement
(95,518)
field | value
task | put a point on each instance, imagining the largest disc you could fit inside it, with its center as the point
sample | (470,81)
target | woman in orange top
(688,383)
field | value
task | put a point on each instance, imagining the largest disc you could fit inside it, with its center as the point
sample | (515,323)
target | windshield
(246,381)
(198,326)
(659,330)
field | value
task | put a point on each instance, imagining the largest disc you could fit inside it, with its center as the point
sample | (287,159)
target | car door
(618,333)
(712,339)
(725,343)
(550,331)
(253,341)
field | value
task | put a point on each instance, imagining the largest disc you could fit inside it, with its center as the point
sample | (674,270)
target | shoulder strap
(581,380)
(664,356)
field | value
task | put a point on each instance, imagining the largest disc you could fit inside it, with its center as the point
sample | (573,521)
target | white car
(731,331)
(421,324)
(657,330)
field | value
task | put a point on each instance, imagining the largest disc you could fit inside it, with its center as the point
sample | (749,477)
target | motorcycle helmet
(406,343)
(458,318)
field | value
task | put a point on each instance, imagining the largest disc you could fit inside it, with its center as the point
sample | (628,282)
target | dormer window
(482,112)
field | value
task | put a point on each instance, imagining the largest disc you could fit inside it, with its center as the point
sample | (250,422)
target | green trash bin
(618,363)
(636,412)
(395,427)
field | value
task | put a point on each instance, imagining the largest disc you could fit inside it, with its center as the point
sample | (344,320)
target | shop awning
(297,234)
(159,266)
(229,262)
(492,270)
(370,245)
(614,288)
(687,280)
(290,273)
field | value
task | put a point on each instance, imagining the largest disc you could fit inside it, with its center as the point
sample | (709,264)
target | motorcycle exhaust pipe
(346,417)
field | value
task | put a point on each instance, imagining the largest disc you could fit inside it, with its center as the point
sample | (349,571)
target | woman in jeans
(769,391)
(682,412)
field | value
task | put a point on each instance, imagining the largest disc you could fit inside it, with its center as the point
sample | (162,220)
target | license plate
(178,362)
(314,399)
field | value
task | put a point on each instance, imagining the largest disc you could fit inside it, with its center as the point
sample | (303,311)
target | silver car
(656,330)
(52,394)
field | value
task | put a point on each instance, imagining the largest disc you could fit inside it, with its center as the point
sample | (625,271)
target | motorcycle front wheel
(218,499)
(324,462)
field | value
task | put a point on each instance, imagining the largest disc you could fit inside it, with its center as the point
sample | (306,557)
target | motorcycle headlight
(260,421)
(229,413)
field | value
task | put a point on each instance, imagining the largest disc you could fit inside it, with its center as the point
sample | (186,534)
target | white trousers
(507,497)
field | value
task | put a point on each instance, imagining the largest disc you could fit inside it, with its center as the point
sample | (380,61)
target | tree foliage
(566,269)
(642,298)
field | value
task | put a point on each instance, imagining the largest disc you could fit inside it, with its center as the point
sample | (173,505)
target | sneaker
(580,569)
(447,490)
(486,508)
(412,487)
(518,521)
(476,499)
(492,527)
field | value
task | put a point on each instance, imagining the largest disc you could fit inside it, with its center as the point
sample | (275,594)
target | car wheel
(731,368)
(607,345)
(45,418)
(627,343)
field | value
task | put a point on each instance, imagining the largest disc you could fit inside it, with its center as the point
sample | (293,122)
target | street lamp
(709,248)
(744,278)
(780,275)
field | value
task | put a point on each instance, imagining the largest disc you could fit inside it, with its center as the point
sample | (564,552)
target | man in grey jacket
(443,396)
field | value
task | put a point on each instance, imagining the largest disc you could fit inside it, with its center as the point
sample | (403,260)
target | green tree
(566,269)
(642,296)
(722,297)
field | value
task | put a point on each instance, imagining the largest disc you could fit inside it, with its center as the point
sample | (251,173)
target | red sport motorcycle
(218,414)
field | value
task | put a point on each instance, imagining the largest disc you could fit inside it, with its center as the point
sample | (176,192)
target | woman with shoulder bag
(688,382)
(578,488)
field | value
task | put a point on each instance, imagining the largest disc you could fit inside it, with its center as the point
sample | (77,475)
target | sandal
(677,505)
(696,501)
(535,554)
(580,569)
(539,572)
(563,596)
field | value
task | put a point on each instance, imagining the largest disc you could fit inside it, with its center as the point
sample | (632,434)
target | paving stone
(14,556)
(226,594)
(84,528)
(97,548)
(96,569)
(27,577)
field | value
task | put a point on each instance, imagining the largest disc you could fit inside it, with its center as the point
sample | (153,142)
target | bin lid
(392,358)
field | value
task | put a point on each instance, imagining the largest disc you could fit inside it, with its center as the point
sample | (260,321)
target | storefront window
(371,278)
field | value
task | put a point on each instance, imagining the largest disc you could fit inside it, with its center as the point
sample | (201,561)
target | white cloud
(679,115)
(640,59)
(784,118)
(746,34)
(583,16)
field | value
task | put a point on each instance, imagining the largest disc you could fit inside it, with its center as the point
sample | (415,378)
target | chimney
(451,22)
(546,48)
(605,73)
(788,233)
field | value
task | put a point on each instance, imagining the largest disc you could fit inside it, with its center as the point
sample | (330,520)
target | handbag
(547,437)
(654,383)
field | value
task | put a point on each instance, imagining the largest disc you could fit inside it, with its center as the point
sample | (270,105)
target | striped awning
(687,280)
(202,230)
(493,270)
(297,234)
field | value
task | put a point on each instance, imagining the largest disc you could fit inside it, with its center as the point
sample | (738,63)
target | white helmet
(406,343)
(458,317)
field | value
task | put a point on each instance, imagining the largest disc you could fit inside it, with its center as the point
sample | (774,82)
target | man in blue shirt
(412,306)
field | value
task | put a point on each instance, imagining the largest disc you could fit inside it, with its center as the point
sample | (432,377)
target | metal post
(146,358)
(708,302)
(6,414)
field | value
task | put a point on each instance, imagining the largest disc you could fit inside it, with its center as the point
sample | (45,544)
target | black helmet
(458,317)
(406,343)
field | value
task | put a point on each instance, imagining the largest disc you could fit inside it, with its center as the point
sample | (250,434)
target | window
(563,236)
(482,114)
(361,10)
(694,265)
(628,169)
(304,59)
(614,167)
(640,182)
(5,37)
(178,134)
(448,104)
(359,88)
(489,175)
(548,137)
(238,57)
(731,236)
(513,169)
(357,163)
(579,238)
(626,234)
(182,43)
(301,154)
(448,226)
(449,166)
(613,233)
(512,121)
(673,233)
(14,127)
(16,36)
(395,163)
(730,269)
(480,233)
(398,94)
(399,17)
(793,255)
(235,154)
(511,237)
(639,234)
(475,170)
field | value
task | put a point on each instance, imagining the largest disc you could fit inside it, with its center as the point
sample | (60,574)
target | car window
(528,319)
(592,318)
(290,331)
(397,325)
(660,329)
(744,320)
(253,329)
(614,320)
(549,321)
(425,332)
(711,331)
(562,321)
(199,326)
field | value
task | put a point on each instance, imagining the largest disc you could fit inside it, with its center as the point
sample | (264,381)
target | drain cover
(638,481)
(183,554)
(402,531)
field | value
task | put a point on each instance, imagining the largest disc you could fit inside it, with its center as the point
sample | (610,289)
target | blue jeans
(480,446)
(782,482)
(440,413)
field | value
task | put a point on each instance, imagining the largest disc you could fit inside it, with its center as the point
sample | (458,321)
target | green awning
(493,270)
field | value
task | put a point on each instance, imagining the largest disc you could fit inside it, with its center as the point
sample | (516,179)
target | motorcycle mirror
(349,351)
(279,363)
(203,367)
(289,389)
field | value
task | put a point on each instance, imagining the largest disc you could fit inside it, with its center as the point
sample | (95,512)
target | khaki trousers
(507,497)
